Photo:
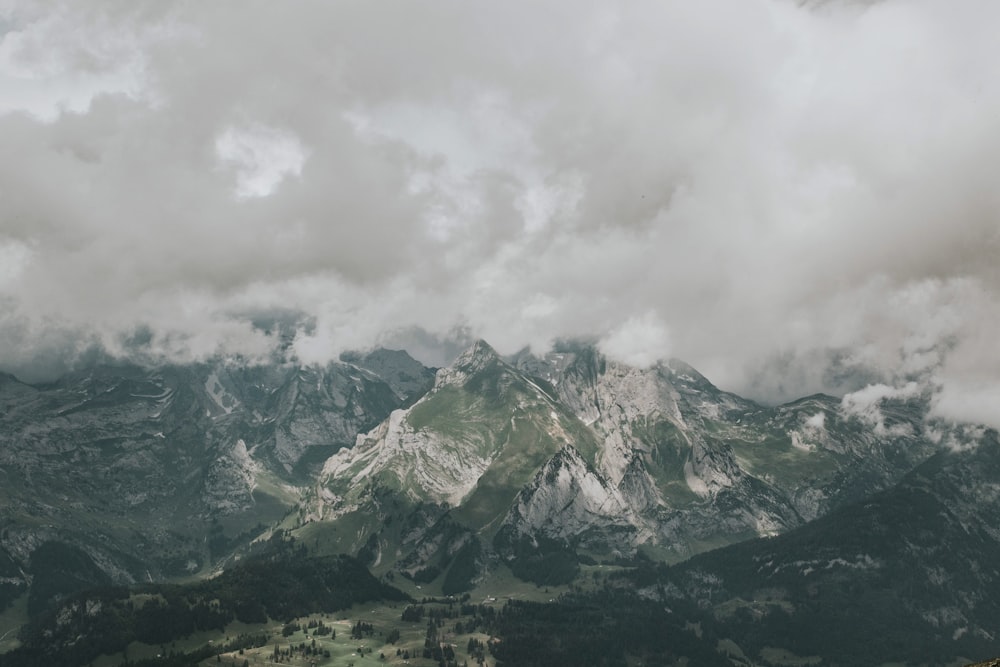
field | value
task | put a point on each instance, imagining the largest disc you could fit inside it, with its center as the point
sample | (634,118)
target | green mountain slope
(910,574)
(158,474)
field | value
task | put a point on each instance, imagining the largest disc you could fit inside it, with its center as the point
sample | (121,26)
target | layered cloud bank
(791,198)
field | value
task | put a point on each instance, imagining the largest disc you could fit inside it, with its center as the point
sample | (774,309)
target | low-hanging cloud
(793,198)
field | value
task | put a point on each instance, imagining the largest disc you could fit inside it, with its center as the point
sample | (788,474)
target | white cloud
(970,402)
(14,259)
(773,197)
(50,66)
(866,405)
(817,422)
(261,156)
(861,401)
(638,341)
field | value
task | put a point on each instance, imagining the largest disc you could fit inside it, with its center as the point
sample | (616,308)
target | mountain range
(542,465)
(573,456)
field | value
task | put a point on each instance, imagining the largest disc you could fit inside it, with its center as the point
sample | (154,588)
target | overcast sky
(791,198)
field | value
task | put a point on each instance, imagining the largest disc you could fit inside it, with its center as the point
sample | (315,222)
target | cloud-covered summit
(788,196)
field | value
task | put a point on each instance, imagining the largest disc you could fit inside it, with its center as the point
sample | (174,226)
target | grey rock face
(133,467)
(625,458)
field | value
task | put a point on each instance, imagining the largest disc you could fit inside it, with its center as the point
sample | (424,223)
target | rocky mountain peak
(477,354)
(479,357)
(683,373)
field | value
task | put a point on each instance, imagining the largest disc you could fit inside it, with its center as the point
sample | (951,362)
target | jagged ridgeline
(120,475)
(542,463)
